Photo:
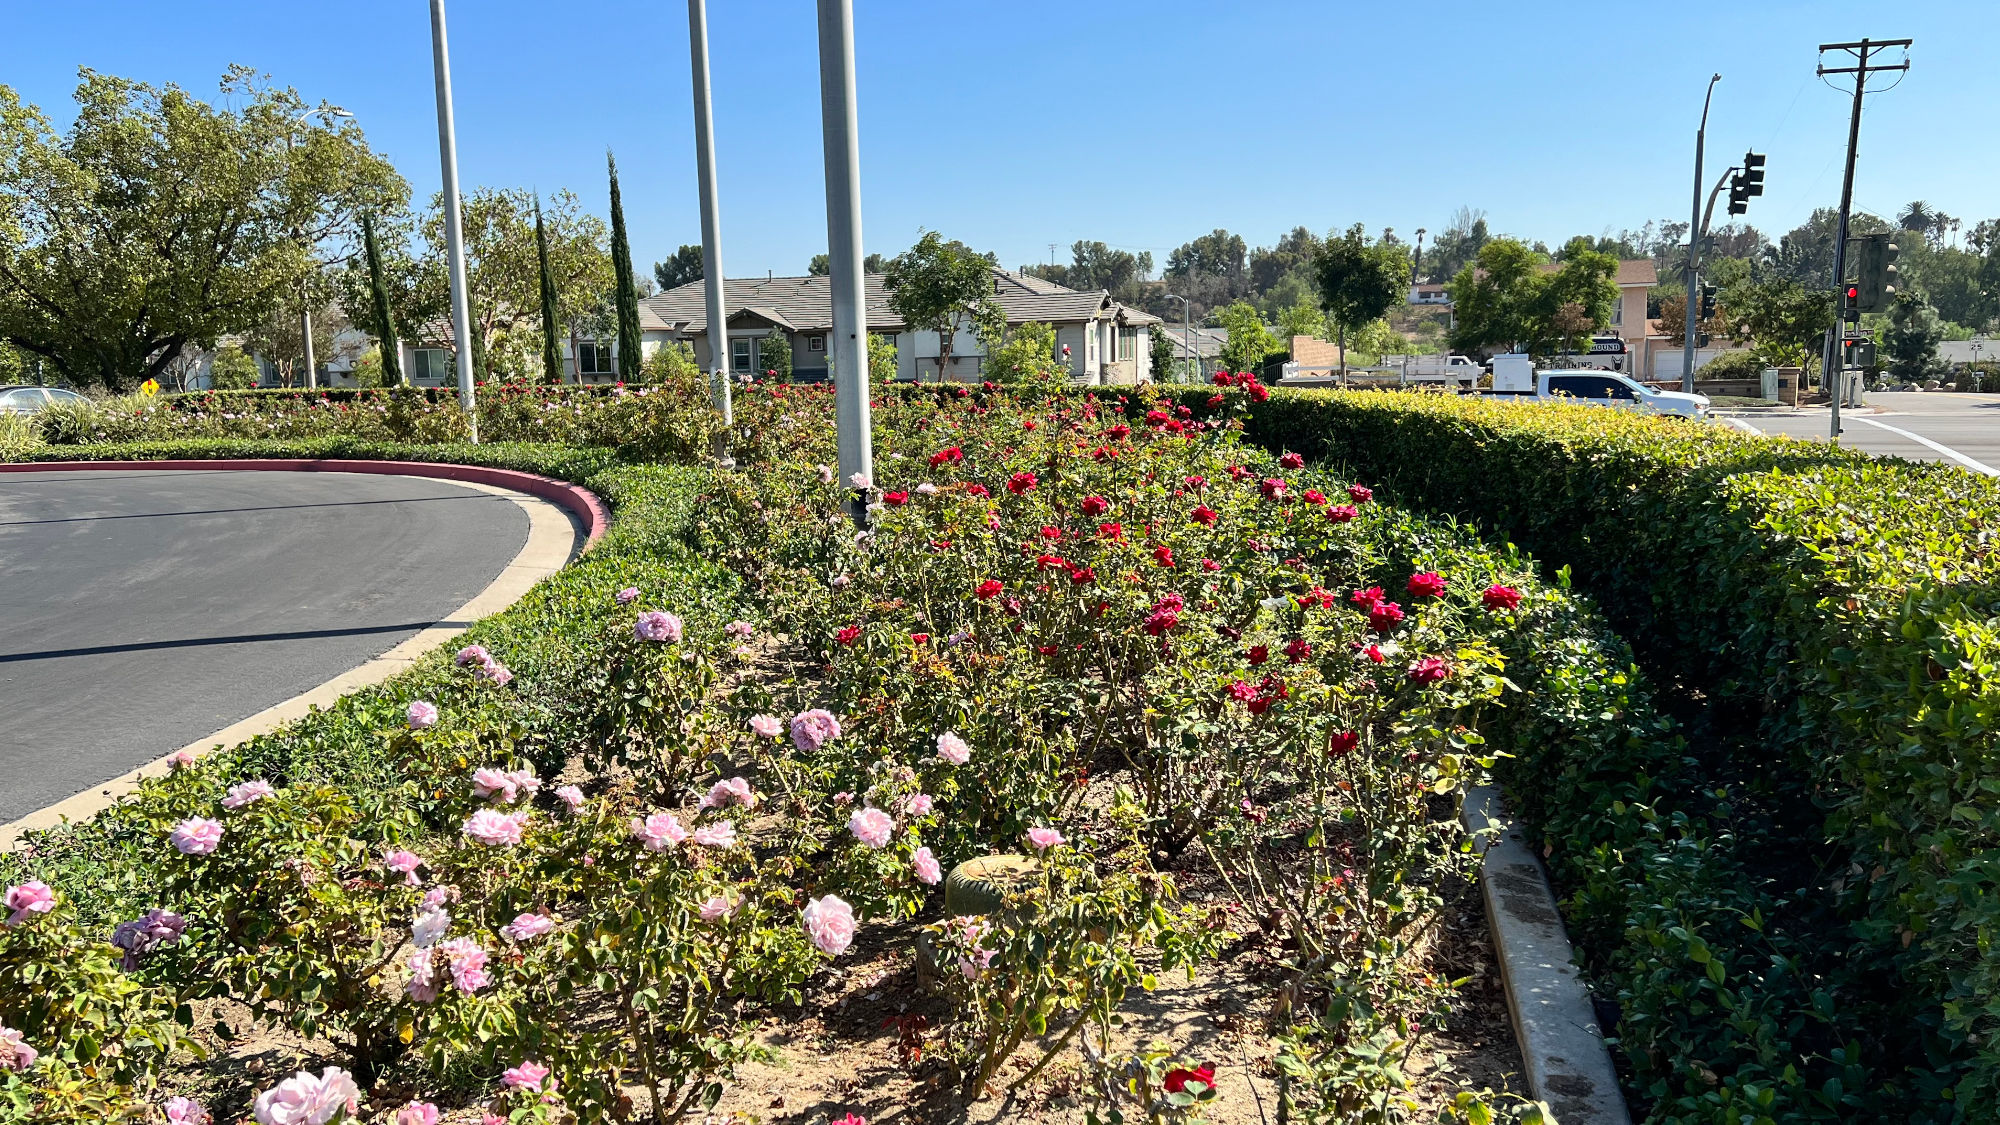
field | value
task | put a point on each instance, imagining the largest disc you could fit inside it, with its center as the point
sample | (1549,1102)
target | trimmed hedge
(1834,621)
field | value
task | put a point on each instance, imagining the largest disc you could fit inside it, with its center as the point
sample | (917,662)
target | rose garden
(1117,695)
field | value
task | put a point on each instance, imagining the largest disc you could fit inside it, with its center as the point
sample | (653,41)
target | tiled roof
(805,303)
(1631,271)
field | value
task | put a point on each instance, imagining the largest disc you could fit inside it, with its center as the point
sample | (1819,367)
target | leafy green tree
(1027,356)
(672,364)
(774,355)
(1249,343)
(881,358)
(820,266)
(624,293)
(684,266)
(1359,281)
(1162,358)
(1784,321)
(1514,298)
(159,221)
(1094,265)
(1459,244)
(1910,341)
(939,286)
(1210,271)
(389,353)
(1302,318)
(552,365)
(232,369)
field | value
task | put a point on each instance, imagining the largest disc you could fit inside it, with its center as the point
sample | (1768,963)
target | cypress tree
(552,368)
(385,324)
(627,295)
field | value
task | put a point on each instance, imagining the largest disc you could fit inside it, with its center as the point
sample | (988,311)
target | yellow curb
(554,538)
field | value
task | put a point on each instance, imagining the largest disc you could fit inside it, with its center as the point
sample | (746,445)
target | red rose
(1259,654)
(1021,482)
(1426,584)
(1196,482)
(1156,416)
(1313,496)
(1094,506)
(895,499)
(977,490)
(1374,653)
(1384,616)
(1292,461)
(1241,692)
(1429,670)
(1500,597)
(1360,494)
(1297,651)
(1343,743)
(1121,430)
(989,588)
(1203,514)
(1210,565)
(1028,425)
(1051,533)
(1050,562)
(848,635)
(1215,402)
(1341,513)
(1221,379)
(1164,556)
(1112,530)
(1183,412)
(1272,488)
(1367,599)
(1082,575)
(920,638)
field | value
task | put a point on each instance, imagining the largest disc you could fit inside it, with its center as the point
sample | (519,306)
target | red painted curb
(577,500)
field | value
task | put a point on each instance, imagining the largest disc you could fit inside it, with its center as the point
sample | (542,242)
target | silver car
(31,400)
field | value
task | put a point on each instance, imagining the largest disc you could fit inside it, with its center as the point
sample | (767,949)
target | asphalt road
(1967,425)
(142,610)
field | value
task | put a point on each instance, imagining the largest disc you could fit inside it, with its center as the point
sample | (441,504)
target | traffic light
(1708,302)
(1859,352)
(1850,309)
(1875,271)
(1747,184)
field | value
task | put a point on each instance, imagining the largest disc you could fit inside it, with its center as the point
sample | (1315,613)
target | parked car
(1593,388)
(32,400)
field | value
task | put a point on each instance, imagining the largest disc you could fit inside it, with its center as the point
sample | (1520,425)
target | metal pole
(711,226)
(849,345)
(1695,232)
(1834,370)
(454,235)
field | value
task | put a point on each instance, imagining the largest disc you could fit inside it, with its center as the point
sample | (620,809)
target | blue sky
(1014,125)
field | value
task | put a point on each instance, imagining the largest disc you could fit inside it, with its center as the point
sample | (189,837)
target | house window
(430,366)
(1127,339)
(1618,311)
(740,356)
(594,357)
(815,343)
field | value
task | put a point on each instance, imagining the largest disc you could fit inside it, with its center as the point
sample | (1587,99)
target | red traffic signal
(1852,292)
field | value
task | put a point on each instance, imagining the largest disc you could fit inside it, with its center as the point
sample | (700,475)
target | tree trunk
(1341,330)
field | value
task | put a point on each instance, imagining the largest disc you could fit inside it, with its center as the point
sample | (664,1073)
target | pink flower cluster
(953,749)
(404,862)
(247,792)
(185,1111)
(769,726)
(421,715)
(28,899)
(814,729)
(462,957)
(496,829)
(484,665)
(304,1099)
(196,836)
(659,831)
(526,927)
(872,827)
(529,1075)
(926,866)
(657,627)
(730,791)
(15,1053)
(829,922)
(504,786)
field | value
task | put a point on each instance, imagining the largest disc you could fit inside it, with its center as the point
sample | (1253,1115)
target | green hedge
(547,637)
(1832,623)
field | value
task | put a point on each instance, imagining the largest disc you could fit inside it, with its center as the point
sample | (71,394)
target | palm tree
(1918,216)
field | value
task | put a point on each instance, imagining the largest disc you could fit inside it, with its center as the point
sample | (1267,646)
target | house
(1103,341)
(1204,344)
(1428,294)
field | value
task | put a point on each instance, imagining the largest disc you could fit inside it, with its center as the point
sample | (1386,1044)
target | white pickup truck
(1514,377)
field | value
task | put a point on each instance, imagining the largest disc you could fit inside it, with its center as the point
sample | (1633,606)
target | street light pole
(305,293)
(1693,309)
(842,142)
(711,226)
(1187,329)
(454,234)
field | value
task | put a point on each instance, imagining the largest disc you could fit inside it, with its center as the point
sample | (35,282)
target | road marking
(1741,424)
(1924,441)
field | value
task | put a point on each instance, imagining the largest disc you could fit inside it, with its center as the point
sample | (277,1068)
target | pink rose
(830,924)
(659,831)
(428,927)
(15,1054)
(731,791)
(496,829)
(769,726)
(423,977)
(572,797)
(871,827)
(953,749)
(926,865)
(658,627)
(814,729)
(248,792)
(739,629)
(305,1100)
(181,760)
(919,805)
(626,596)
(468,964)
(31,897)
(716,908)
(196,836)
(496,674)
(421,715)
(187,1111)
(716,835)
(1044,838)
(472,654)
(417,1113)
(527,1076)
(526,927)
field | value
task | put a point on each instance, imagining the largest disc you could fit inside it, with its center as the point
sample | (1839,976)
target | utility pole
(842,141)
(1187,332)
(711,228)
(1694,244)
(1835,368)
(454,233)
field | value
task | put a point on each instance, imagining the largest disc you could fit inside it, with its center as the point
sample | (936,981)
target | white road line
(1924,441)
(1741,424)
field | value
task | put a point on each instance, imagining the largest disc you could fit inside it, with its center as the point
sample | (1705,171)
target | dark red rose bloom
(1183,411)
(1259,654)
(1257,392)
(1341,513)
(952,456)
(1241,692)
(1051,533)
(1343,743)
(1095,506)
(1292,461)
(1120,431)
(1196,482)
(1164,556)
(1313,496)
(1500,597)
(1021,482)
(1112,530)
(848,635)
(1298,651)
(1221,379)
(1082,575)
(1051,562)
(1384,616)
(1210,565)
(1426,584)
(1214,402)
(1429,670)
(1361,494)
(1203,514)
(1367,599)
(895,499)
(1273,489)
(1156,416)
(920,638)
(1028,424)
(989,588)
(978,490)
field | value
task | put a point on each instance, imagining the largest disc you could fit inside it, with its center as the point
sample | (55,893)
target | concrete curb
(556,533)
(1568,1064)
(579,501)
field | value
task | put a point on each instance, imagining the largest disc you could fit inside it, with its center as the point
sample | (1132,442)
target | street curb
(579,501)
(1567,1062)
(553,540)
